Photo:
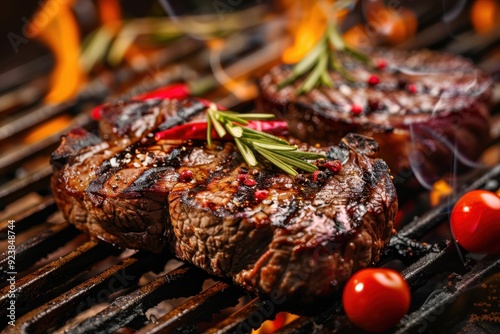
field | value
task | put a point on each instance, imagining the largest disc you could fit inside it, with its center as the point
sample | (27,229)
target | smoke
(454,11)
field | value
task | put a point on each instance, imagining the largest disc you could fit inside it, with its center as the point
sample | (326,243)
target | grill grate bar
(99,88)
(406,250)
(182,282)
(242,320)
(202,306)
(22,75)
(36,288)
(447,260)
(332,315)
(418,320)
(30,217)
(70,303)
(94,290)
(437,34)
(31,118)
(13,159)
(18,188)
(37,247)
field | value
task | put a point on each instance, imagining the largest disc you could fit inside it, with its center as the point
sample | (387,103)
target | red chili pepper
(175,91)
(198,130)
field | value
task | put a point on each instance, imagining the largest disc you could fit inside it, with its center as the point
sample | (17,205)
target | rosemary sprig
(322,58)
(253,144)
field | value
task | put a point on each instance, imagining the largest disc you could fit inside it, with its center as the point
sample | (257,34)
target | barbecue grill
(67,283)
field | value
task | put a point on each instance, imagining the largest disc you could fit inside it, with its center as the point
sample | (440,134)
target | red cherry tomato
(475,222)
(375,299)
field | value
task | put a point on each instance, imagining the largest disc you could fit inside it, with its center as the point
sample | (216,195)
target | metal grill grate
(61,274)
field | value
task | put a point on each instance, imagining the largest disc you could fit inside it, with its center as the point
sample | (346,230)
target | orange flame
(60,34)
(440,190)
(47,128)
(110,11)
(270,326)
(485,15)
(386,25)
(308,18)
(239,86)
(307,24)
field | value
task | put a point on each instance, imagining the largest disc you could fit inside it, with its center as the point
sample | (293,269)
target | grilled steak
(425,109)
(302,239)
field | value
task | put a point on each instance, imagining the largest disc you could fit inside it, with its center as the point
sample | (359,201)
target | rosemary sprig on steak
(253,144)
(322,58)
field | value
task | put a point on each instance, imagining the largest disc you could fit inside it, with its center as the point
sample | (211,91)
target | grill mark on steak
(95,186)
(132,195)
(145,181)
(226,165)
(184,110)
(135,117)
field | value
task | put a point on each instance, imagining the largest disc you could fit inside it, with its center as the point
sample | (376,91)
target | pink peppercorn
(333,166)
(381,64)
(373,80)
(356,109)
(249,182)
(412,88)
(261,195)
(186,175)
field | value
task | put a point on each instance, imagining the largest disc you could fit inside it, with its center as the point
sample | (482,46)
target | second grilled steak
(301,237)
(424,108)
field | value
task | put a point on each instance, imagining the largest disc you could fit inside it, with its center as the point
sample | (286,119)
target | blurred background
(56,47)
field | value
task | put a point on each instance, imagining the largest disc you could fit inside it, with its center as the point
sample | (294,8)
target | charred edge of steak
(359,143)
(134,119)
(184,110)
(71,145)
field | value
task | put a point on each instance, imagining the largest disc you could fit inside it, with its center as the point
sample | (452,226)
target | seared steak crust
(303,240)
(426,107)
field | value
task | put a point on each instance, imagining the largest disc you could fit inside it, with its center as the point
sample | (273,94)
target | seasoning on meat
(264,229)
(425,109)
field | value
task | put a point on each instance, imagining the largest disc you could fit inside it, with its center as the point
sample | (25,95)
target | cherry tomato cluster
(375,299)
